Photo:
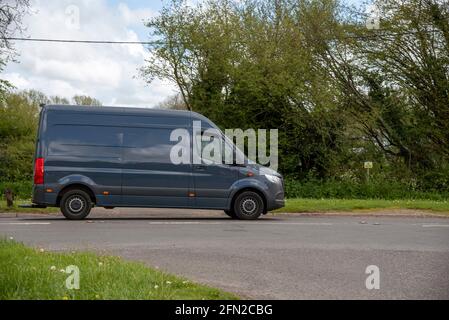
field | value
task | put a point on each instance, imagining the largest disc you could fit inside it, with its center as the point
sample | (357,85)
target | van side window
(84,141)
(147,145)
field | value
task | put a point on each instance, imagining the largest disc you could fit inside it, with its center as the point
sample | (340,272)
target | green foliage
(339,94)
(249,66)
(375,189)
(18,126)
(21,189)
(5,86)
(11,15)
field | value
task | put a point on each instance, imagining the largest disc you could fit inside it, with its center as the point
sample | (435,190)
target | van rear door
(83,148)
(38,196)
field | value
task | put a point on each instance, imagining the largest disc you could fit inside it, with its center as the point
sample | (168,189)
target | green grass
(308,205)
(16,208)
(27,273)
(326,205)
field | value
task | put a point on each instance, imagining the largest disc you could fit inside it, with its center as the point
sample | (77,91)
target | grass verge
(307,205)
(326,205)
(27,273)
(16,208)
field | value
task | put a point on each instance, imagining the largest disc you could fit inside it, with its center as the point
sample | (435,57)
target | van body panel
(213,184)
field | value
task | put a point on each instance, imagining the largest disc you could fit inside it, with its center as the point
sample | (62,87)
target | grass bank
(326,205)
(309,205)
(27,273)
(16,208)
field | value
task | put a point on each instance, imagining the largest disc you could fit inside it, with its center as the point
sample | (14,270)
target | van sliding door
(149,178)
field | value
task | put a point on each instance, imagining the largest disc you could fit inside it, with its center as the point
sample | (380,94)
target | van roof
(129,111)
(125,110)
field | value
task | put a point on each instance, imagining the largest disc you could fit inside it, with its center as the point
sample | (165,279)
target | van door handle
(199,168)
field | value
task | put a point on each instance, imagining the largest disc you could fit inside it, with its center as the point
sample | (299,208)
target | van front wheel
(75,204)
(248,205)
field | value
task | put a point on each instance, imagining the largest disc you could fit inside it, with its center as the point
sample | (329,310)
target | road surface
(276,257)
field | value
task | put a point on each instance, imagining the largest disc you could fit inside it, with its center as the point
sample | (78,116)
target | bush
(17,160)
(380,189)
(21,189)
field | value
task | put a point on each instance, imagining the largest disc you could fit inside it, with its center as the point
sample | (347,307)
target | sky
(108,72)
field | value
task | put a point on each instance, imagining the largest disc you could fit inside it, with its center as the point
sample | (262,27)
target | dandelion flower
(41,250)
(52,268)
(65,298)
(100,263)
(168,282)
(11,238)
(156,286)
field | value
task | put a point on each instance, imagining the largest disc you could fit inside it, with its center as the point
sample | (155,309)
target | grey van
(120,157)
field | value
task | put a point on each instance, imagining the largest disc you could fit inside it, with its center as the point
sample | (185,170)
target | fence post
(9,195)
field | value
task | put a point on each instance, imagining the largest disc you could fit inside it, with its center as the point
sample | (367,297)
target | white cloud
(137,16)
(105,71)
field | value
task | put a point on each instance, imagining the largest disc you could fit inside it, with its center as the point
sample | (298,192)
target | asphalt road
(276,257)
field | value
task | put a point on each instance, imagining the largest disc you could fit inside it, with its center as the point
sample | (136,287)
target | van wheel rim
(76,204)
(248,206)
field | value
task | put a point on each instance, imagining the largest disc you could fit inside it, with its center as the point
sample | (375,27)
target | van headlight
(273,179)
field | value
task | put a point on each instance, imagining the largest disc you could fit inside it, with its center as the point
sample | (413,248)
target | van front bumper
(277,201)
(278,204)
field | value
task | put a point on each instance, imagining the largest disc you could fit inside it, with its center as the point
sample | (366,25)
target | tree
(18,125)
(174,102)
(396,80)
(11,14)
(82,100)
(246,65)
(338,92)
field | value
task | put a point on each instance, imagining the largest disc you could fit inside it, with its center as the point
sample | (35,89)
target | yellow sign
(368,165)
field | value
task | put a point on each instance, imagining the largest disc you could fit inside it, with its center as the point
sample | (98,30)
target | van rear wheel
(248,205)
(75,204)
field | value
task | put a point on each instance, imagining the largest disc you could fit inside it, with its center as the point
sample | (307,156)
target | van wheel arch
(76,187)
(260,193)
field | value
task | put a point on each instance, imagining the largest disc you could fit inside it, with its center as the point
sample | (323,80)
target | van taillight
(39,171)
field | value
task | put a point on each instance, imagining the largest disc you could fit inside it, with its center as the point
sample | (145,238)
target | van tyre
(231,213)
(75,204)
(248,205)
